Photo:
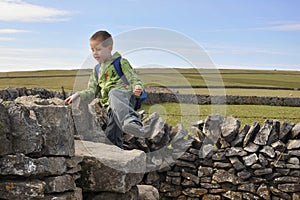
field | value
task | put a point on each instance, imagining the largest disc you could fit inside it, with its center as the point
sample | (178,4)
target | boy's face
(100,53)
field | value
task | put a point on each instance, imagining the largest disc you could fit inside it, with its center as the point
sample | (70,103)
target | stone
(132,194)
(89,120)
(117,172)
(195,192)
(289,187)
(262,136)
(222,176)
(264,192)
(251,147)
(238,141)
(256,166)
(293,144)
(57,127)
(27,135)
(212,127)
(279,193)
(233,195)
(59,184)
(173,194)
(210,185)
(248,187)
(265,171)
(205,171)
(294,153)
(250,160)
(262,159)
(295,131)
(205,179)
(176,180)
(222,165)
(147,192)
(165,187)
(235,151)
(211,197)
(285,130)
(219,156)
(72,195)
(198,124)
(250,196)
(22,165)
(41,127)
(230,128)
(287,179)
(294,160)
(191,177)
(171,173)
(206,151)
(188,183)
(244,174)
(5,137)
(251,133)
(154,125)
(237,164)
(152,178)
(284,172)
(278,146)
(188,157)
(268,151)
(296,196)
(294,173)
(181,163)
(274,135)
(13,189)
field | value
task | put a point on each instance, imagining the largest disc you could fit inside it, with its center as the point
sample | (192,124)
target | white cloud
(282,27)
(20,59)
(6,38)
(18,10)
(5,31)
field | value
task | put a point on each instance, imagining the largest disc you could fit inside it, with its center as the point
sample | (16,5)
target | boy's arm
(91,89)
(130,74)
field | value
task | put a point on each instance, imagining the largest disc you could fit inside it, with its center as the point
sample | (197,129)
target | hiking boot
(134,129)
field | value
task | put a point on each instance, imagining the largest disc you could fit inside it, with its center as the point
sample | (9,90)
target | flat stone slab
(109,168)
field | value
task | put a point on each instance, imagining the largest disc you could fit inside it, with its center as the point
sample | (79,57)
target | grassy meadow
(175,113)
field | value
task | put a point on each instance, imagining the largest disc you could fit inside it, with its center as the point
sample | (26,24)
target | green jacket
(109,79)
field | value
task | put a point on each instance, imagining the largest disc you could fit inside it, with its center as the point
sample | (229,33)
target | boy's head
(101,44)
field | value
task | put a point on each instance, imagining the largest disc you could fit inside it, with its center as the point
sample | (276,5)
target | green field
(175,113)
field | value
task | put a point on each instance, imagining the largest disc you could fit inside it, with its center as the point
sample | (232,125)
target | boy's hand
(70,99)
(137,90)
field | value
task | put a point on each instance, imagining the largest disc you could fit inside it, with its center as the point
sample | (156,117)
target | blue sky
(53,34)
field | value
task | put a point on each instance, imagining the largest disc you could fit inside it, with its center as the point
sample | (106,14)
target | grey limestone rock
(109,168)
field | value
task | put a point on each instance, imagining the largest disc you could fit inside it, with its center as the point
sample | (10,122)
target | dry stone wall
(41,157)
(226,161)
(159,95)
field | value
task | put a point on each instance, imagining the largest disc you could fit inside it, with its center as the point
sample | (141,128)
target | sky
(239,34)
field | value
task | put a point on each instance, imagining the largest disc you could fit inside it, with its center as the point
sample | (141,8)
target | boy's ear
(110,47)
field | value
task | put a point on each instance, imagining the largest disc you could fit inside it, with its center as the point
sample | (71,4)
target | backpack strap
(118,68)
(97,68)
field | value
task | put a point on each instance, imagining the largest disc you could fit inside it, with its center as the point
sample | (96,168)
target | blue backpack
(118,68)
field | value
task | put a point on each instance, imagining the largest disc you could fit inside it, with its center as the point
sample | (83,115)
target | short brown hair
(103,36)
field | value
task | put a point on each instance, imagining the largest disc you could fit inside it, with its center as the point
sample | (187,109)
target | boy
(116,96)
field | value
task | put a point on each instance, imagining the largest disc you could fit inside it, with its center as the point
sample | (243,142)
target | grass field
(175,113)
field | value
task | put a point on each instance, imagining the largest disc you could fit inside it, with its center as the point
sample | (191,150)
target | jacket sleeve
(131,74)
(92,89)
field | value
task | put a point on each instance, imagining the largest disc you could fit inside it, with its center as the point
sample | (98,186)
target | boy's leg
(113,132)
(122,105)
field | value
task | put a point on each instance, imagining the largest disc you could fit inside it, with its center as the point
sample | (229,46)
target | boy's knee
(114,92)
